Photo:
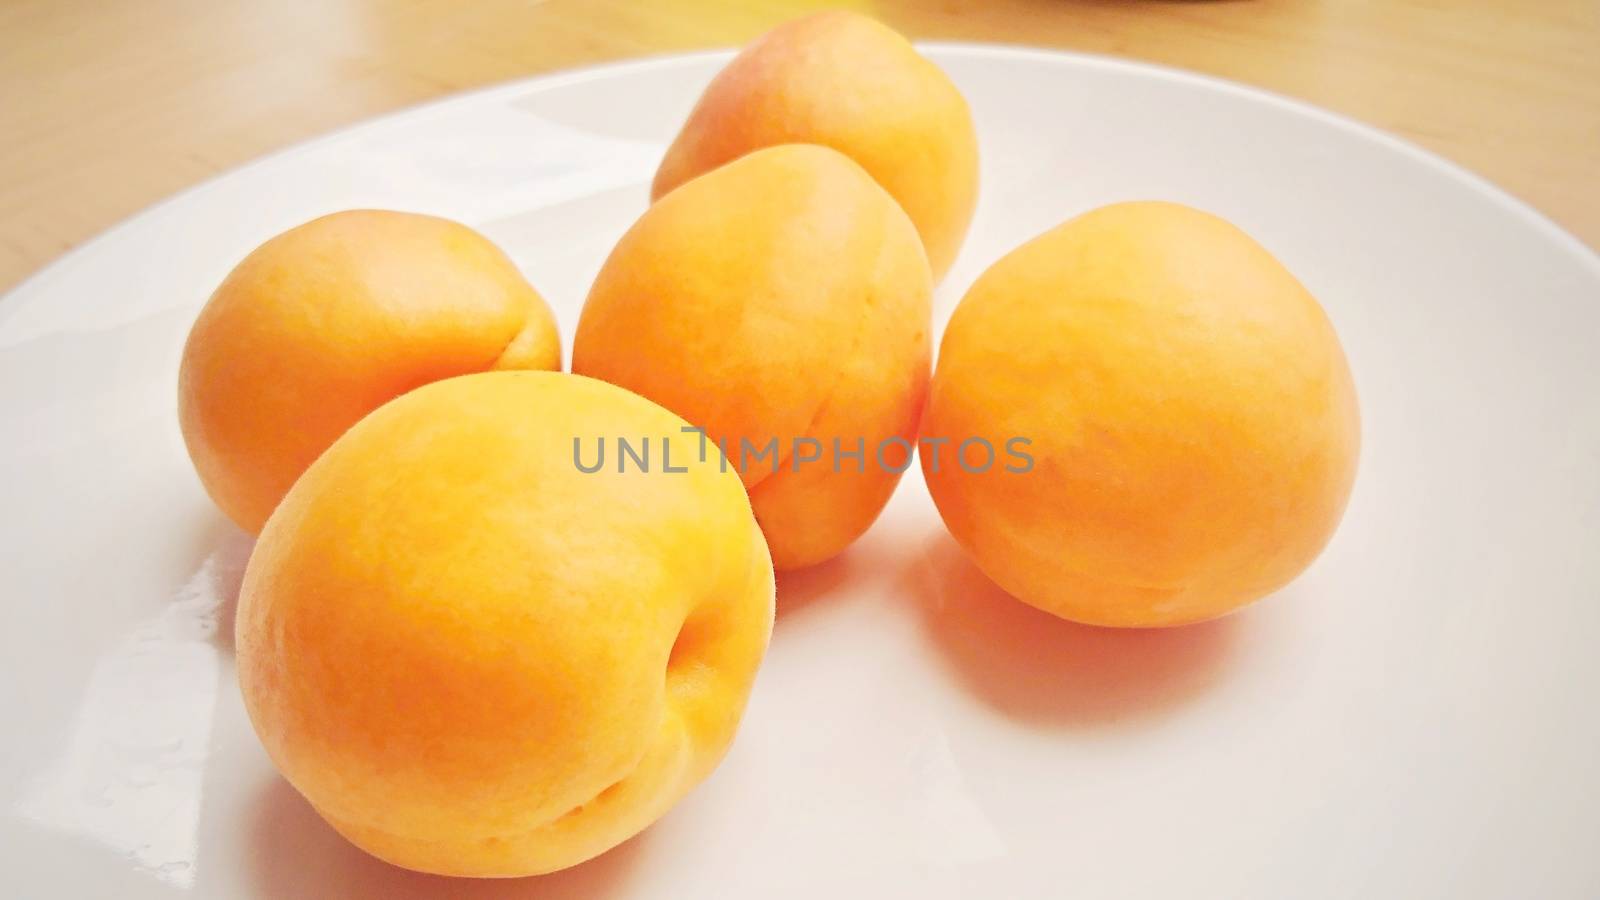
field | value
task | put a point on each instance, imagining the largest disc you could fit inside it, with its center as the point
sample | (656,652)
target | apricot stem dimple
(523,350)
(685,648)
(675,657)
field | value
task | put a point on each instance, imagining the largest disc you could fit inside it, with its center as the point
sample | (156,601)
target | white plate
(1415,717)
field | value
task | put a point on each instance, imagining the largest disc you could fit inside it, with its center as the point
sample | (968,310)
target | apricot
(1186,422)
(324,323)
(474,657)
(851,83)
(780,303)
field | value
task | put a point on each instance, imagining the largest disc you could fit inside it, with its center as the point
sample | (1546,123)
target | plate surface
(1414,717)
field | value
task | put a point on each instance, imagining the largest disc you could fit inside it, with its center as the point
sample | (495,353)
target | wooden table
(109,105)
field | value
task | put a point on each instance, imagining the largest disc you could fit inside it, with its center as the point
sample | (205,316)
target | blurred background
(106,106)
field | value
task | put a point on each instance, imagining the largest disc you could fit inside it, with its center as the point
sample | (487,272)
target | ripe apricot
(781,298)
(474,658)
(1187,407)
(324,323)
(851,83)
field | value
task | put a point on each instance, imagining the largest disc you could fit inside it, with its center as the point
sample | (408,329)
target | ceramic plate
(1414,717)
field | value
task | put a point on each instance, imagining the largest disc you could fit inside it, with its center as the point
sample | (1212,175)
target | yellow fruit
(474,658)
(848,82)
(324,323)
(781,298)
(1191,420)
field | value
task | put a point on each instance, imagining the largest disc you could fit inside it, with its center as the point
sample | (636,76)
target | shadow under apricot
(800,588)
(294,854)
(1037,668)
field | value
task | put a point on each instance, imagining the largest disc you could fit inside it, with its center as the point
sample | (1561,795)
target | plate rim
(1527,213)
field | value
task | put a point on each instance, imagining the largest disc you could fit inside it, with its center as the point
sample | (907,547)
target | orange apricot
(781,303)
(324,323)
(1187,413)
(473,656)
(851,83)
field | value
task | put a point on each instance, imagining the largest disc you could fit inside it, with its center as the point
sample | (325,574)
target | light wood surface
(109,105)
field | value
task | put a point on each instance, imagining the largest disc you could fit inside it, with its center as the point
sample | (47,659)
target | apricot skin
(1192,419)
(851,83)
(324,323)
(782,296)
(473,658)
